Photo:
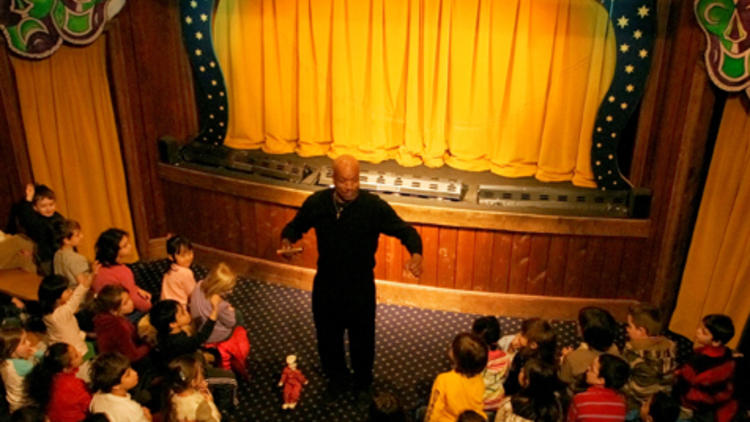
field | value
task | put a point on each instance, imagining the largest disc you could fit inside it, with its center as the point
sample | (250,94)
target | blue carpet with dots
(411,349)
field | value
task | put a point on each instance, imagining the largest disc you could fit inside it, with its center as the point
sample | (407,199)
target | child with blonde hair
(229,337)
(189,398)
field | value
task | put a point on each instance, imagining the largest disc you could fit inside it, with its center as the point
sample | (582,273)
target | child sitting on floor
(17,358)
(59,304)
(537,399)
(229,337)
(461,388)
(38,217)
(705,382)
(498,362)
(67,261)
(538,341)
(112,248)
(55,387)
(598,328)
(179,281)
(114,332)
(651,357)
(189,398)
(602,401)
(112,378)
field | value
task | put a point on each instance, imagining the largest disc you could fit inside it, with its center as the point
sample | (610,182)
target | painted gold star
(599,145)
(622,22)
(193,4)
(212,63)
(611,99)
(643,53)
(643,11)
(198,52)
(624,106)
(629,68)
(630,88)
(210,116)
(209,96)
(198,36)
(204,17)
(613,135)
(637,34)
(213,82)
(188,20)
(598,163)
(608,118)
(221,124)
(610,156)
(599,129)
(624,48)
(202,68)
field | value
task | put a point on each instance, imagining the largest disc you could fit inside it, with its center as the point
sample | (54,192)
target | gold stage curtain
(510,86)
(72,137)
(717,274)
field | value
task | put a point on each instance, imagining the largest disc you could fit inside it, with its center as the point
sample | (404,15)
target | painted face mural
(36,28)
(727,27)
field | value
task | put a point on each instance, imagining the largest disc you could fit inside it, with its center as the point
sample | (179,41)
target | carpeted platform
(411,349)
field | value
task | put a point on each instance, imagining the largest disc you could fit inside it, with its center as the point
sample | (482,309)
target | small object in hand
(288,251)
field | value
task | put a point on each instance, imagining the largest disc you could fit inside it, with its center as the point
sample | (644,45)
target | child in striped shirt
(602,401)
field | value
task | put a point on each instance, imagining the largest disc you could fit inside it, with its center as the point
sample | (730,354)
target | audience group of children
(108,351)
(98,347)
(522,377)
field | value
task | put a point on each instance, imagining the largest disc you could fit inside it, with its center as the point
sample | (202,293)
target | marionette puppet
(292,380)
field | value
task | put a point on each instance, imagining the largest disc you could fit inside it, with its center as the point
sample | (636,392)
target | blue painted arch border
(634,23)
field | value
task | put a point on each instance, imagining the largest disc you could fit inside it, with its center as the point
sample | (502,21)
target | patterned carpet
(411,349)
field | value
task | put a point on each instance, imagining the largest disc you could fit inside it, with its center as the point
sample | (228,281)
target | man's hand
(287,251)
(414,265)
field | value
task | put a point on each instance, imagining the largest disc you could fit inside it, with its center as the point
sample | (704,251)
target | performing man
(347,225)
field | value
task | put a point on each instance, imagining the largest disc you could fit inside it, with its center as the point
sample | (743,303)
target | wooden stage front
(475,260)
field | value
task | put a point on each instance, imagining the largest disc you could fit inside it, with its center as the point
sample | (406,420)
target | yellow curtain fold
(716,278)
(512,86)
(72,137)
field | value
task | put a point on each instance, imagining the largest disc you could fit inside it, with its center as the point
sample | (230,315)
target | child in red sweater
(54,386)
(705,382)
(114,332)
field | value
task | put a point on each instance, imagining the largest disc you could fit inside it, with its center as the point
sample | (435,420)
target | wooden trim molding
(425,297)
(422,214)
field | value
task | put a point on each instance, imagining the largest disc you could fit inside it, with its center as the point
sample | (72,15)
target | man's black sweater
(347,242)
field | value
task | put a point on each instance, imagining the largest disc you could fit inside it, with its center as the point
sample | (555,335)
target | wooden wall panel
(612,253)
(430,252)
(538,264)
(483,248)
(574,272)
(502,248)
(519,263)
(394,262)
(558,253)
(464,259)
(446,268)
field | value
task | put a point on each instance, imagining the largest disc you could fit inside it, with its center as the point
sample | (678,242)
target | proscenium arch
(634,23)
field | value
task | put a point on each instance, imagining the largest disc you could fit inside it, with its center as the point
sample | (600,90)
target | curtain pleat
(510,86)
(72,137)
(716,278)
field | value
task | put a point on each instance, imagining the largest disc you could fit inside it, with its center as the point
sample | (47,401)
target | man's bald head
(346,177)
